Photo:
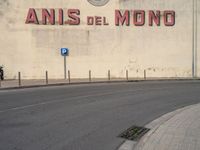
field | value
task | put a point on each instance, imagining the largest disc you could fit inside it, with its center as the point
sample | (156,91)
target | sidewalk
(179,130)
(42,82)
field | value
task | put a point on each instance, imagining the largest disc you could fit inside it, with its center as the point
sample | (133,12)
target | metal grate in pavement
(134,133)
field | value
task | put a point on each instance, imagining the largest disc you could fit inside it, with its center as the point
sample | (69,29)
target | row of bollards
(69,77)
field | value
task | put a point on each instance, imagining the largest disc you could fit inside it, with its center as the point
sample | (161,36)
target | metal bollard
(127,75)
(69,76)
(90,76)
(47,78)
(108,75)
(145,75)
(19,79)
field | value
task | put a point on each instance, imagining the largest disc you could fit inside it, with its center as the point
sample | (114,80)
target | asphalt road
(86,117)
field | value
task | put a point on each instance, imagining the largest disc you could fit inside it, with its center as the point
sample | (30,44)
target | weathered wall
(33,49)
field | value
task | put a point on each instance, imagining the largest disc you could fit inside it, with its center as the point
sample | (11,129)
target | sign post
(65,53)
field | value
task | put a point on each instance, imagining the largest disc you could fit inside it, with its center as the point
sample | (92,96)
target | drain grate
(134,133)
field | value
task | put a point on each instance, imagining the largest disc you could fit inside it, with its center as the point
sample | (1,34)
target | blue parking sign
(64,51)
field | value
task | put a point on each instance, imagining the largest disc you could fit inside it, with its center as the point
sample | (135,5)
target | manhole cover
(134,133)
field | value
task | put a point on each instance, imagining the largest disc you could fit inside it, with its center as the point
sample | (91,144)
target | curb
(60,84)
(97,82)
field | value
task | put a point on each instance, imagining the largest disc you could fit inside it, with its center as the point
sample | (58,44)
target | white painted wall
(33,49)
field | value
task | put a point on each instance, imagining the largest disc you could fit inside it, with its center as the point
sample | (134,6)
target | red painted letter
(169,18)
(98,20)
(60,17)
(32,17)
(154,17)
(73,15)
(50,16)
(90,20)
(139,17)
(122,19)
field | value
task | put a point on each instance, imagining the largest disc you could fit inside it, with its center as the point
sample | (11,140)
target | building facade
(96,42)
